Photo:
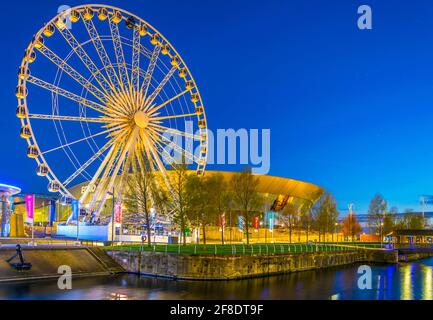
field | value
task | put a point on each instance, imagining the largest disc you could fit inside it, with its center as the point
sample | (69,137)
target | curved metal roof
(280,186)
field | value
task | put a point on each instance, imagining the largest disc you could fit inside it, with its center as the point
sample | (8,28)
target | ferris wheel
(99,92)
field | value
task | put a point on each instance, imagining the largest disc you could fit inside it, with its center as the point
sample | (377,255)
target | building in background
(6,208)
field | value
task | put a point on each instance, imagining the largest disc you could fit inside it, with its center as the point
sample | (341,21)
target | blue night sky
(350,110)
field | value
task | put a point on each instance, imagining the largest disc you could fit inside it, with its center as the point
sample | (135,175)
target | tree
(410,220)
(228,204)
(325,214)
(143,193)
(290,213)
(219,199)
(307,220)
(180,197)
(206,195)
(389,221)
(197,196)
(246,197)
(351,226)
(376,213)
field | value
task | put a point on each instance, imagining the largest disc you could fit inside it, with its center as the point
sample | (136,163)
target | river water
(403,281)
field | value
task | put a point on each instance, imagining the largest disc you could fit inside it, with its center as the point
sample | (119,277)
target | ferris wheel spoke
(60,63)
(143,149)
(157,141)
(118,50)
(87,61)
(158,89)
(184,115)
(149,72)
(65,118)
(107,159)
(154,109)
(87,163)
(114,172)
(77,141)
(123,176)
(100,181)
(168,130)
(179,149)
(135,72)
(102,53)
(160,165)
(72,96)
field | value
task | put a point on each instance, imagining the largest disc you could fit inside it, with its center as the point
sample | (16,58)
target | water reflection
(406,282)
(427,290)
(403,281)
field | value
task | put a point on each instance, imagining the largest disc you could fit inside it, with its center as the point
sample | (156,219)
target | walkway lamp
(336,230)
(381,234)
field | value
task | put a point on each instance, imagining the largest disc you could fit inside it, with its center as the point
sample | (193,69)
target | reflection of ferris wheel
(115,93)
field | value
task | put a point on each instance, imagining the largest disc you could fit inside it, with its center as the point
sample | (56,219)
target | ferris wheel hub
(141,119)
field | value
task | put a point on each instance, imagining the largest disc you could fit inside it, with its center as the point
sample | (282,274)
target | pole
(423,204)
(222,228)
(230,217)
(112,220)
(381,234)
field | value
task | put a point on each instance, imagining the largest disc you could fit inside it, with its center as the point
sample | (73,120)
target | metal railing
(251,249)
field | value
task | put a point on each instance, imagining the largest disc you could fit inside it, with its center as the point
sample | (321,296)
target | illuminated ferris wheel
(101,91)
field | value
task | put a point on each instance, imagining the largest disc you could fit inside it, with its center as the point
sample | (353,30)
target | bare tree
(244,187)
(144,192)
(376,213)
(180,197)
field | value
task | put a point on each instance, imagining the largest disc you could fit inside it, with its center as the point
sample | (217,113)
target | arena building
(278,192)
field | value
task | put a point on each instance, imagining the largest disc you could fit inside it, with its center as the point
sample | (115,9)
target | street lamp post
(336,230)
(112,220)
(381,234)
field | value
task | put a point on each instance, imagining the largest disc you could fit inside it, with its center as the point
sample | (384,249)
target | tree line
(202,201)
(382,220)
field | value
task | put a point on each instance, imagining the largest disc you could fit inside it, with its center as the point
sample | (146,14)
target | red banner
(118,213)
(256,223)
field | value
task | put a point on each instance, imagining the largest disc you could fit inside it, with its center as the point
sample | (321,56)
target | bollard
(215,249)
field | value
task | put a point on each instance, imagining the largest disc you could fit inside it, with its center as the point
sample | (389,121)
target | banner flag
(75,209)
(118,213)
(51,211)
(30,206)
(270,216)
(241,223)
(256,223)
